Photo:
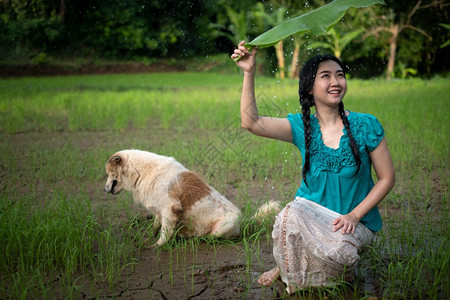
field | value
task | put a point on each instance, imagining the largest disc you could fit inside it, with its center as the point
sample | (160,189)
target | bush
(28,36)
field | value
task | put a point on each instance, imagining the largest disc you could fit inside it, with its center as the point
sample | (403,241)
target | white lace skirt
(308,252)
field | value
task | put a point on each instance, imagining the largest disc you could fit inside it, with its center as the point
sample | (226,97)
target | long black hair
(306,83)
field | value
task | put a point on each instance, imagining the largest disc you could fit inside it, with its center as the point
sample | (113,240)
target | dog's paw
(158,243)
(149,246)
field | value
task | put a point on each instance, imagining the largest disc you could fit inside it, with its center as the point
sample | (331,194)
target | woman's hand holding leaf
(247,61)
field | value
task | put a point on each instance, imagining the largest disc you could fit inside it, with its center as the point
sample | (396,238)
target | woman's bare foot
(269,277)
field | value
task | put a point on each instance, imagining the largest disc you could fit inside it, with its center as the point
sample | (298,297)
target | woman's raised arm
(275,128)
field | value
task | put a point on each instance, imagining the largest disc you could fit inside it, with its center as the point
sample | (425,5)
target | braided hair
(306,83)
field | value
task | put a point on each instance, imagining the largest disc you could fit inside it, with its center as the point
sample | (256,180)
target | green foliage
(147,31)
(132,29)
(447,42)
(23,37)
(109,29)
(403,72)
(236,29)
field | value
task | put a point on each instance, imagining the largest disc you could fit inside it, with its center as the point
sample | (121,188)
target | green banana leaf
(319,21)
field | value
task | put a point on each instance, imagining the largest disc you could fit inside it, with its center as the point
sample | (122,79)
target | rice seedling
(66,237)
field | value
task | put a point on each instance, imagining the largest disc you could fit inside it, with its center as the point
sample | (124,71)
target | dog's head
(115,168)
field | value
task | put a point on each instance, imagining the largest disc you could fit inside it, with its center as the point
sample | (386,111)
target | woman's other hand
(347,222)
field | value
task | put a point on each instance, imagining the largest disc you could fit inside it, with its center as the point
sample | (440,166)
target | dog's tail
(268,209)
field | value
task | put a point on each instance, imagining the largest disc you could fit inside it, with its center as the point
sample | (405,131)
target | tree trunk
(337,54)
(294,64)
(280,57)
(392,50)
(62,11)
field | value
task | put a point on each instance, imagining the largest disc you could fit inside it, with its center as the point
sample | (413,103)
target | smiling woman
(318,236)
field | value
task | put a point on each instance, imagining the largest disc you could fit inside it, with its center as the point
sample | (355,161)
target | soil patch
(208,273)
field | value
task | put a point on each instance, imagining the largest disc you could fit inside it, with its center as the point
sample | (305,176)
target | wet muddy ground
(208,273)
(201,270)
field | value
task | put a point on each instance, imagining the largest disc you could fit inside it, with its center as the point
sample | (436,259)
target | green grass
(57,132)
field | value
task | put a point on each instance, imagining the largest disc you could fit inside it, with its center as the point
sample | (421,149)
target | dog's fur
(178,198)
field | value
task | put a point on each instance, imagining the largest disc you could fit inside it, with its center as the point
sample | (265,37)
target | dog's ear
(115,160)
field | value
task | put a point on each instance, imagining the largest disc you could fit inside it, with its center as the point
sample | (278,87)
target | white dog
(177,197)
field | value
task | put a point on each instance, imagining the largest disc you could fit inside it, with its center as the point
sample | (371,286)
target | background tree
(298,40)
(399,17)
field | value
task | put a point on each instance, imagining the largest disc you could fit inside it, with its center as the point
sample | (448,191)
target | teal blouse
(332,181)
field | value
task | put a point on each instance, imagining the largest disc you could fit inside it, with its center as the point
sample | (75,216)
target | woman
(317,237)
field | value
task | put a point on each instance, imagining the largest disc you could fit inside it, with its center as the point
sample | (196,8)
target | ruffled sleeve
(298,135)
(369,131)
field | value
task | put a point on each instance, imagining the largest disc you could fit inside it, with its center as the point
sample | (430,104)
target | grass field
(65,238)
